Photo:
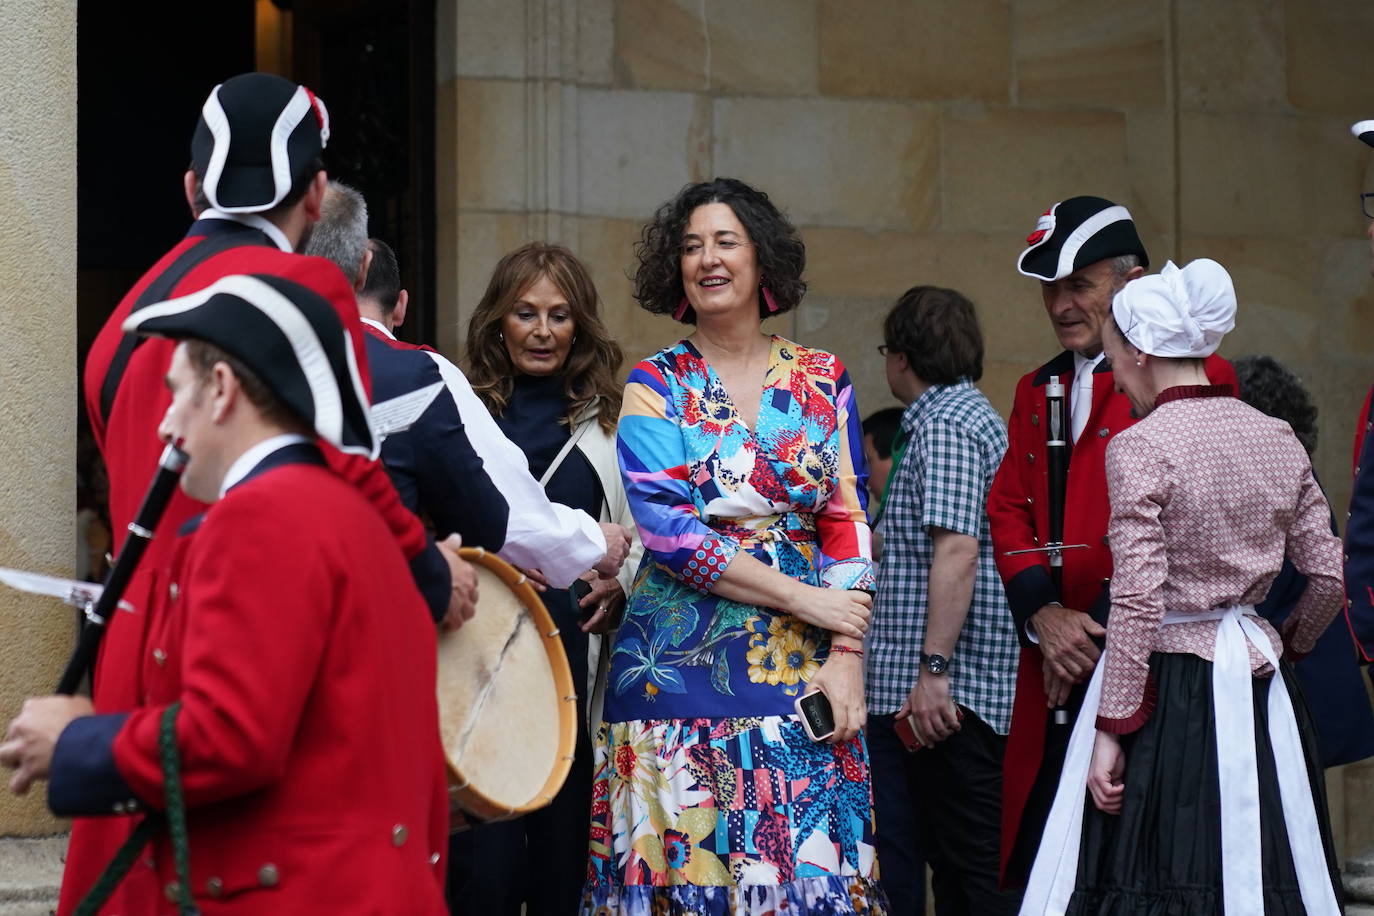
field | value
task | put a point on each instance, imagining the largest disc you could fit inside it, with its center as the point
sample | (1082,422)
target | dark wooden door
(372,61)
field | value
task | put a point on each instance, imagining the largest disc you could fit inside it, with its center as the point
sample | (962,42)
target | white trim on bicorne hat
(1363,130)
(218,122)
(301,103)
(1086,230)
(1178,313)
(1079,229)
(305,343)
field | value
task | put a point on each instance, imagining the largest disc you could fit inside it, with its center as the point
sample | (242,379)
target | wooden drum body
(507,704)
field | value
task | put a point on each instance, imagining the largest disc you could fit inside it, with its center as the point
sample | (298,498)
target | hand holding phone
(905,727)
(580,589)
(817,718)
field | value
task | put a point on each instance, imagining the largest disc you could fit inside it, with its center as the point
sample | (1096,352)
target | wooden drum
(507,704)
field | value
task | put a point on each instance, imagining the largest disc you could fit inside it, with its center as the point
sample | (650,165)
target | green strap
(175,819)
(176,806)
(119,866)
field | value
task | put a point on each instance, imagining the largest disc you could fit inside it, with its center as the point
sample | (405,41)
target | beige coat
(598,447)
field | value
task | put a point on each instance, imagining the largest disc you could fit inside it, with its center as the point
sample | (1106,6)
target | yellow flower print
(794,658)
(762,663)
(787,657)
(678,854)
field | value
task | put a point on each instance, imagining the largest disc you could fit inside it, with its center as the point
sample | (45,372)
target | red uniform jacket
(126,433)
(1018,519)
(300,650)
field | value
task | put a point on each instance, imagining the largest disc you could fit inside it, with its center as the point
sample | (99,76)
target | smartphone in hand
(906,733)
(905,728)
(817,718)
(580,589)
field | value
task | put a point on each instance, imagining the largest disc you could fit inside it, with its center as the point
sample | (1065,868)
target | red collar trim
(1180,392)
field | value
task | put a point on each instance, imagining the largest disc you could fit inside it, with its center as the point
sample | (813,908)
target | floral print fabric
(744,817)
(702,485)
(709,798)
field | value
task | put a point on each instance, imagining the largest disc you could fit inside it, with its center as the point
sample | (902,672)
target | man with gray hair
(456,449)
(341,233)
(1082,251)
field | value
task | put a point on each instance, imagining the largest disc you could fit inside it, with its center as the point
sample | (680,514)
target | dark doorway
(143,72)
(141,89)
(372,61)
(139,92)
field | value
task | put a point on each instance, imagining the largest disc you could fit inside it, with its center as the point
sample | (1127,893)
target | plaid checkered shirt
(956,441)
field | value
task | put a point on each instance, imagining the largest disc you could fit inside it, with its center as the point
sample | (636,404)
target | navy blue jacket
(433,465)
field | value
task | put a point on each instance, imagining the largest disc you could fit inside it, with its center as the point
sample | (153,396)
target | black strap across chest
(229,235)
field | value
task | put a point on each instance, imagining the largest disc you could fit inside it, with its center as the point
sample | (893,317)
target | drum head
(507,706)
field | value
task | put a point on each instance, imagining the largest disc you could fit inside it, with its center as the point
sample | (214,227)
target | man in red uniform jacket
(297,645)
(255,186)
(1082,251)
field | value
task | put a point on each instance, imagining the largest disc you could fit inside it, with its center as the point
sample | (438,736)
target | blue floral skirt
(729,817)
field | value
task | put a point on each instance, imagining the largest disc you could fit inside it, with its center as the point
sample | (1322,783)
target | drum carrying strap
(175,821)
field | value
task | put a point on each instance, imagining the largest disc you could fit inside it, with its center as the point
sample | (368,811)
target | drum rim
(473,800)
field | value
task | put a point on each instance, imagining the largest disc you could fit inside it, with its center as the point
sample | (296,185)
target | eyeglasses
(883,350)
(1365,204)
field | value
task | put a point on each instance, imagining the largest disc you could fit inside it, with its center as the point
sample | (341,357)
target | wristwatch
(935,664)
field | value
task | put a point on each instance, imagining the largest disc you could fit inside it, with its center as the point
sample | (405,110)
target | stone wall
(916,141)
(37,353)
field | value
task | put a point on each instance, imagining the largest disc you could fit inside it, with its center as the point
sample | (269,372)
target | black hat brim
(1081,231)
(289,336)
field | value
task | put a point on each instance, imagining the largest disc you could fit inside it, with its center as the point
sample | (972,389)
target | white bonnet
(1178,313)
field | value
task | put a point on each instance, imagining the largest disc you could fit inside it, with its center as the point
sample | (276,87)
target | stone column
(37,390)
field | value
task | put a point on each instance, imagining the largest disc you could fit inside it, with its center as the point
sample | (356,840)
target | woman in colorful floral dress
(744,470)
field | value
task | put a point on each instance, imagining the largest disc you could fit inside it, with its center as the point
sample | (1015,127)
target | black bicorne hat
(256,139)
(290,336)
(1077,232)
(1364,130)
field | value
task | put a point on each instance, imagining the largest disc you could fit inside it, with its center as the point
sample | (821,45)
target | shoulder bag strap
(568,446)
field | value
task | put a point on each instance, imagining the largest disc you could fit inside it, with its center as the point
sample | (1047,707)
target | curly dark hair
(781,253)
(1272,388)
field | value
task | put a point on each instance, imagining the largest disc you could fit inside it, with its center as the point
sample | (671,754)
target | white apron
(1055,871)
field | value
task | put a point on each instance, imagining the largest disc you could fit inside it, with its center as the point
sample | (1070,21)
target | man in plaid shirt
(942,649)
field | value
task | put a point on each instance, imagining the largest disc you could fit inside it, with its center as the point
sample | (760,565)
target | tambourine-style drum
(507,705)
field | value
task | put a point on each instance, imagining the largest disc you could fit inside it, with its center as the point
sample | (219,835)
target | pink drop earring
(768,299)
(681,311)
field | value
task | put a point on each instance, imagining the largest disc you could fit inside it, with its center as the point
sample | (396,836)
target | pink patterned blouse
(1207,496)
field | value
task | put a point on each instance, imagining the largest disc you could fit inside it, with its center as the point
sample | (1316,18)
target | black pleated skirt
(1162,855)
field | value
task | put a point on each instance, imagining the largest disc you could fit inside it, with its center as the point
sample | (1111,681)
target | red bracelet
(846,650)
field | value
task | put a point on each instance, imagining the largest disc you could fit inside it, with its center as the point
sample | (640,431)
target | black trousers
(539,860)
(958,806)
(901,866)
